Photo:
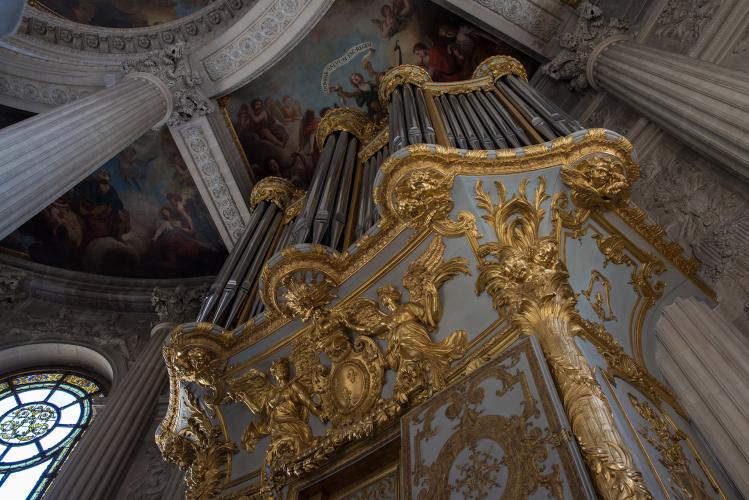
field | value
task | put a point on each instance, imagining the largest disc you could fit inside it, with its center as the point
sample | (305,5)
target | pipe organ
(459,305)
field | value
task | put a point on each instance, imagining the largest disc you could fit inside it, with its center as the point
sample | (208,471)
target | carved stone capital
(577,46)
(170,66)
(178,305)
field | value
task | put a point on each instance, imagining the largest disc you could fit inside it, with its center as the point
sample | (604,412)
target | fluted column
(704,105)
(43,157)
(95,467)
(703,358)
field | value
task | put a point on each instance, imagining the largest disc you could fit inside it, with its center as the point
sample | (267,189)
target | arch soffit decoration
(44,354)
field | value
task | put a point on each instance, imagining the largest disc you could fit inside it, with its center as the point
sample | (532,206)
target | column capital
(170,66)
(592,27)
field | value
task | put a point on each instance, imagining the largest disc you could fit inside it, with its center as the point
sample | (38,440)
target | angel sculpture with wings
(284,409)
(421,364)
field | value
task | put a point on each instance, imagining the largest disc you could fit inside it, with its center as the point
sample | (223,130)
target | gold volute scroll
(401,75)
(528,283)
(349,120)
(499,66)
(277,190)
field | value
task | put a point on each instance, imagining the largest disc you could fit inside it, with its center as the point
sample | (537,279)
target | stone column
(704,105)
(43,157)
(704,359)
(95,468)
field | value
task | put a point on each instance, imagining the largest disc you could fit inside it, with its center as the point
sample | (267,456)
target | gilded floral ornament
(600,181)
(199,450)
(276,190)
(421,195)
(527,282)
(401,75)
(499,66)
(348,120)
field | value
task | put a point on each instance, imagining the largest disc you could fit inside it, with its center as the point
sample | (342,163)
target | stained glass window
(42,415)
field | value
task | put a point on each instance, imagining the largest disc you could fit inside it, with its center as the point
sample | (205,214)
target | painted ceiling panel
(123,13)
(340,63)
(139,216)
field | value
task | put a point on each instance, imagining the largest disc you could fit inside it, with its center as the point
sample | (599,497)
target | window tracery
(42,415)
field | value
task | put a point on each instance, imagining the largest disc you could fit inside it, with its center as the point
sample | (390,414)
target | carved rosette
(348,120)
(600,181)
(401,75)
(281,192)
(498,66)
(529,284)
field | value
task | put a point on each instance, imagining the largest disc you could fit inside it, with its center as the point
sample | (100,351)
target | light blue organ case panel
(500,432)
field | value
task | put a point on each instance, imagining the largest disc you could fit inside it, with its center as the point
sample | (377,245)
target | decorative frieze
(81,38)
(39,92)
(525,15)
(177,305)
(681,22)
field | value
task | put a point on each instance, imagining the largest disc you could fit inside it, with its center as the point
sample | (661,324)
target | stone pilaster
(98,462)
(703,358)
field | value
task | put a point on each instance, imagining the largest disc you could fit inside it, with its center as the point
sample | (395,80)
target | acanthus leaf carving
(170,65)
(178,305)
(684,20)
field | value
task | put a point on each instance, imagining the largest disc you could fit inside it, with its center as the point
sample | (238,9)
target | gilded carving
(401,75)
(600,181)
(284,408)
(200,450)
(498,66)
(276,190)
(522,273)
(666,440)
(349,120)
(600,301)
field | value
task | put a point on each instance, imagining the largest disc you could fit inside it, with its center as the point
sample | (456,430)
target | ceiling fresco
(340,63)
(122,13)
(139,216)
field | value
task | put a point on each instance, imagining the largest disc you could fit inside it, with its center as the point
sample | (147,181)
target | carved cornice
(276,190)
(68,35)
(348,120)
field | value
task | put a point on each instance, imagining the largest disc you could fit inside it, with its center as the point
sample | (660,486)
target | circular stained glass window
(42,415)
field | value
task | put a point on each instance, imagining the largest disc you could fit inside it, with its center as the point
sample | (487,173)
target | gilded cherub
(599,180)
(284,409)
(421,364)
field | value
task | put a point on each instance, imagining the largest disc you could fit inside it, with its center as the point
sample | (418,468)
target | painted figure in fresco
(101,208)
(130,168)
(441,65)
(258,121)
(290,112)
(174,240)
(394,17)
(364,92)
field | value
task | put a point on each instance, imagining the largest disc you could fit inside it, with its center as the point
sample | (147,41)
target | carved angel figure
(284,409)
(421,364)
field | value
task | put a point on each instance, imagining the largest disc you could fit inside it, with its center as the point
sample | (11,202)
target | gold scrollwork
(527,282)
(200,450)
(349,120)
(378,142)
(600,181)
(401,75)
(600,301)
(667,443)
(499,66)
(276,190)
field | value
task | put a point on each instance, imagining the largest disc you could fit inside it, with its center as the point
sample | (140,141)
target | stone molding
(75,37)
(207,164)
(177,305)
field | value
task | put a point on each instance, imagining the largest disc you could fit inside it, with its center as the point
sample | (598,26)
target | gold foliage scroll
(527,282)
(349,387)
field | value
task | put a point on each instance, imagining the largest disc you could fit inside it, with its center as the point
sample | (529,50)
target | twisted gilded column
(99,462)
(43,157)
(705,105)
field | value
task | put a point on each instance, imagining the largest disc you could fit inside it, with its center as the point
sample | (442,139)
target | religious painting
(139,215)
(340,63)
(122,13)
